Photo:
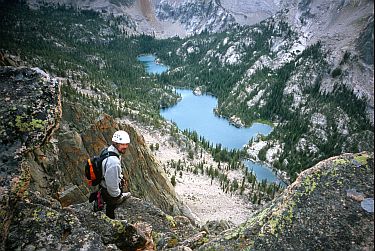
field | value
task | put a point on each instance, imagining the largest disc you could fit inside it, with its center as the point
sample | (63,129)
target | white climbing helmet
(121,137)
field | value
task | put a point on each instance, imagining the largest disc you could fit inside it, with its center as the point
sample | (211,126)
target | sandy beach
(205,199)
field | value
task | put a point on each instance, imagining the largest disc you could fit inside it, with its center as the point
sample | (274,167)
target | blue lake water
(151,65)
(196,113)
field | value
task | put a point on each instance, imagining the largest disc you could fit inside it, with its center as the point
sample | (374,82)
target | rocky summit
(29,112)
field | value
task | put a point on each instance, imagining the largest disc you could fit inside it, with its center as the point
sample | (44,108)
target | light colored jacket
(112,173)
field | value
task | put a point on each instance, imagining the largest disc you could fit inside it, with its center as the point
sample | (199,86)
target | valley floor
(206,201)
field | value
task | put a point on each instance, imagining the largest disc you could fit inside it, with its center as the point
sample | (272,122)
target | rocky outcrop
(197,16)
(250,12)
(41,223)
(329,207)
(9,60)
(331,22)
(30,111)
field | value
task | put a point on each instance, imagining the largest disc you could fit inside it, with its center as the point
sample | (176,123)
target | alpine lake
(196,113)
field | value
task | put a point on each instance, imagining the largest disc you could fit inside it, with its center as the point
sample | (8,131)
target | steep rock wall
(146,178)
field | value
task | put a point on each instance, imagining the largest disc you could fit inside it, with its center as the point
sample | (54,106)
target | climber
(112,184)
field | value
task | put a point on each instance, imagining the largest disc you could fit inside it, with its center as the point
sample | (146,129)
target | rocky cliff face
(146,178)
(250,12)
(216,15)
(329,207)
(196,16)
(343,27)
(30,114)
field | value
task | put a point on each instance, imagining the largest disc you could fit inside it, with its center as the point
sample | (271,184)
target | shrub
(336,72)
(173,180)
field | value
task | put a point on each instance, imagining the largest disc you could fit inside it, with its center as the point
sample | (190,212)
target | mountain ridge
(153,17)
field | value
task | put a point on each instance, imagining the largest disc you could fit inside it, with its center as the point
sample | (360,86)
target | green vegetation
(173,180)
(171,220)
(336,72)
(24,125)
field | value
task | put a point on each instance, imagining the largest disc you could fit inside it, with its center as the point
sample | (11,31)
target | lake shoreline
(195,113)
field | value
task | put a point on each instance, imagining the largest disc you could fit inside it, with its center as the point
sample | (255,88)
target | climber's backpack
(93,167)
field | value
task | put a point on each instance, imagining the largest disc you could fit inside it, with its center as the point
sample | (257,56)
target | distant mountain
(243,12)
(166,18)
